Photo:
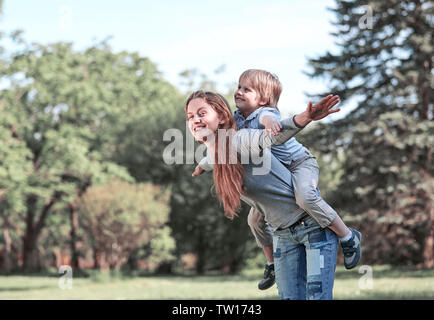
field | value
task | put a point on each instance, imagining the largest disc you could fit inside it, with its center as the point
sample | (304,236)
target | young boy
(256,101)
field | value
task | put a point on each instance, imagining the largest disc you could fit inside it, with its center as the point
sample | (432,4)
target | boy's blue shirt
(287,152)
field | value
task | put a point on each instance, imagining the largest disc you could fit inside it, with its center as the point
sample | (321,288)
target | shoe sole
(267,286)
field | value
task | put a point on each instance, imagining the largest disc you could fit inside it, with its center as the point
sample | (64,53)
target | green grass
(388,283)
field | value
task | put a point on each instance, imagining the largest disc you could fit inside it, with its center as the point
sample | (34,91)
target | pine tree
(384,64)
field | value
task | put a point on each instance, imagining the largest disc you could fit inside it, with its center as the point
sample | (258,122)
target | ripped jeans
(305,261)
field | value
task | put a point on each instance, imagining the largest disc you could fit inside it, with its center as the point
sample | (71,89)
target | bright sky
(177,35)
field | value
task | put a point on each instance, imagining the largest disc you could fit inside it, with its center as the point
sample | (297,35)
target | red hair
(228,177)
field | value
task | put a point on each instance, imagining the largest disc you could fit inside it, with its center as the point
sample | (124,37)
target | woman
(304,253)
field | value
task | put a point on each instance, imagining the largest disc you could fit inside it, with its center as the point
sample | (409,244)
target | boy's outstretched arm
(317,111)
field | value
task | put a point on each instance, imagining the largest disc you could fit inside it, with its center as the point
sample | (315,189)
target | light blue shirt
(287,152)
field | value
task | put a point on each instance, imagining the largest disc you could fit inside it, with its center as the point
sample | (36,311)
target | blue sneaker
(352,249)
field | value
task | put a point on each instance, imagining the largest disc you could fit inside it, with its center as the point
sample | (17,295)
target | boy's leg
(305,180)
(264,239)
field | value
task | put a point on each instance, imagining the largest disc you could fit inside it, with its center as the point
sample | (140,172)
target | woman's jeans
(305,261)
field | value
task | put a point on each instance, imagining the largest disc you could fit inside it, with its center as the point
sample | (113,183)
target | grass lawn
(388,283)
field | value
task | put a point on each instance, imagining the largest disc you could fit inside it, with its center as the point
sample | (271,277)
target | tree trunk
(29,247)
(428,252)
(30,260)
(30,252)
(200,251)
(96,264)
(73,218)
(132,262)
(8,247)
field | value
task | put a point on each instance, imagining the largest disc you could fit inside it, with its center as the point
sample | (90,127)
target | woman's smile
(199,127)
(203,120)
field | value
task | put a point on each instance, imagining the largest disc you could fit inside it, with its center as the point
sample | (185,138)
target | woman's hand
(197,171)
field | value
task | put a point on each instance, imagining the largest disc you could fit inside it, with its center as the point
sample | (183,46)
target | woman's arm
(206,164)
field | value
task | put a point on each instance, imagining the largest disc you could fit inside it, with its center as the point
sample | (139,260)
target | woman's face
(203,120)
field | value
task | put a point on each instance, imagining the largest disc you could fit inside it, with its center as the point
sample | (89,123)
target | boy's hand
(317,111)
(271,125)
(197,171)
(322,108)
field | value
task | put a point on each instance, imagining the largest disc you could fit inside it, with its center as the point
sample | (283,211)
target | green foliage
(387,176)
(200,227)
(66,126)
(160,252)
(121,217)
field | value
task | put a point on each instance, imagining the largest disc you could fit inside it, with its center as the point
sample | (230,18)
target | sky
(277,36)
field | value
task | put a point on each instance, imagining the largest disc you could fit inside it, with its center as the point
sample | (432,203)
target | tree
(68,111)
(158,254)
(121,217)
(14,165)
(384,64)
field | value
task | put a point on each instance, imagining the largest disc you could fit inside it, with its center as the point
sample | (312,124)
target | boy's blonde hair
(266,83)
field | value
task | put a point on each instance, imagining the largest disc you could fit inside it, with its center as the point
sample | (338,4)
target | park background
(88,89)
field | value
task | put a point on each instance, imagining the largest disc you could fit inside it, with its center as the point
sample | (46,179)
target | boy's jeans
(305,261)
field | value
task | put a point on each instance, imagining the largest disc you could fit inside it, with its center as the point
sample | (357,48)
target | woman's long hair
(228,174)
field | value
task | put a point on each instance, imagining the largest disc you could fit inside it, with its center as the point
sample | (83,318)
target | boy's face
(247,99)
